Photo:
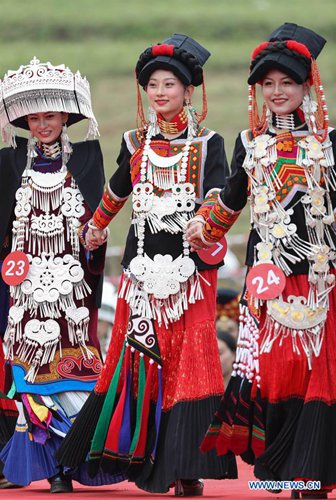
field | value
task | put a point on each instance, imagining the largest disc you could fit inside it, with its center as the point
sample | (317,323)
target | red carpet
(226,489)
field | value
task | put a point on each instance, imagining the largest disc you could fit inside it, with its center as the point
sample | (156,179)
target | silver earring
(31,150)
(309,108)
(8,134)
(153,126)
(66,146)
(192,119)
(269,117)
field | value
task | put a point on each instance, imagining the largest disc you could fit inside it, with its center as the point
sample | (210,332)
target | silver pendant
(51,279)
(47,189)
(39,344)
(295,313)
(23,203)
(142,197)
(73,203)
(162,276)
(46,234)
(78,328)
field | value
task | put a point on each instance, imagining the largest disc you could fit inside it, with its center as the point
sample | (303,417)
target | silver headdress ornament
(42,87)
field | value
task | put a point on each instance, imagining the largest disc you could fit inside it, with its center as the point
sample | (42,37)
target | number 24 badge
(265,281)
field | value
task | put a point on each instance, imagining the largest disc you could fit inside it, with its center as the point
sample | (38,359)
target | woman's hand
(194,235)
(95,237)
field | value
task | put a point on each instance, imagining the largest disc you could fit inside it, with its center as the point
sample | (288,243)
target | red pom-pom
(298,47)
(163,50)
(258,49)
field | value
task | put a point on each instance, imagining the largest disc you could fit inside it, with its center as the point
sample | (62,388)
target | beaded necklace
(280,242)
(298,317)
(159,289)
(52,150)
(55,280)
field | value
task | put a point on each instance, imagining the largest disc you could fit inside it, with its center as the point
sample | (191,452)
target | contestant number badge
(214,254)
(265,281)
(15,268)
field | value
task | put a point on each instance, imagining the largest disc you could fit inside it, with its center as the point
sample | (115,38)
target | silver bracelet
(197,218)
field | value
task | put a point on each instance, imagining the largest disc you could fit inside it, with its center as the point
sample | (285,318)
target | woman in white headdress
(49,188)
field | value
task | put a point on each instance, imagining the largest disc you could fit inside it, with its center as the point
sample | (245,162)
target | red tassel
(258,49)
(322,118)
(257,124)
(298,47)
(140,111)
(204,103)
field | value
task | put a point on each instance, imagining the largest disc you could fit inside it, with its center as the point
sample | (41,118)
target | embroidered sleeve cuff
(219,221)
(107,209)
(208,202)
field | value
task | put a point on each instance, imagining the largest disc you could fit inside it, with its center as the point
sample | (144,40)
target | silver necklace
(158,287)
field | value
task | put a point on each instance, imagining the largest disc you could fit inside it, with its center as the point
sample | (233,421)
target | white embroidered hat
(42,87)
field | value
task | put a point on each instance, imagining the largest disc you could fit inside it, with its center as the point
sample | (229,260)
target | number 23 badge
(265,281)
(15,268)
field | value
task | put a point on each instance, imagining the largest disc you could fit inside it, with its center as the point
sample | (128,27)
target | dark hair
(281,46)
(226,337)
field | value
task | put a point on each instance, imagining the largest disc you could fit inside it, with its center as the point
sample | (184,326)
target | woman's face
(227,357)
(47,127)
(166,93)
(281,93)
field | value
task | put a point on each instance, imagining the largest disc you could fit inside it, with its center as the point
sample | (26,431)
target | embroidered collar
(176,125)
(47,158)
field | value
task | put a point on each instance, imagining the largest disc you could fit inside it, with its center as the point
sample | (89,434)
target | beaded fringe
(162,310)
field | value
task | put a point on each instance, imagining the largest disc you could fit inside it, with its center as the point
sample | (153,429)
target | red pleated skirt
(287,424)
(285,373)
(190,361)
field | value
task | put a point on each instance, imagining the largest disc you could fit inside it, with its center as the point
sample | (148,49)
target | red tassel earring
(257,124)
(140,112)
(204,103)
(322,117)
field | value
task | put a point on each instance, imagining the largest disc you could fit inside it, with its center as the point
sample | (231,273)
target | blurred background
(103,38)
